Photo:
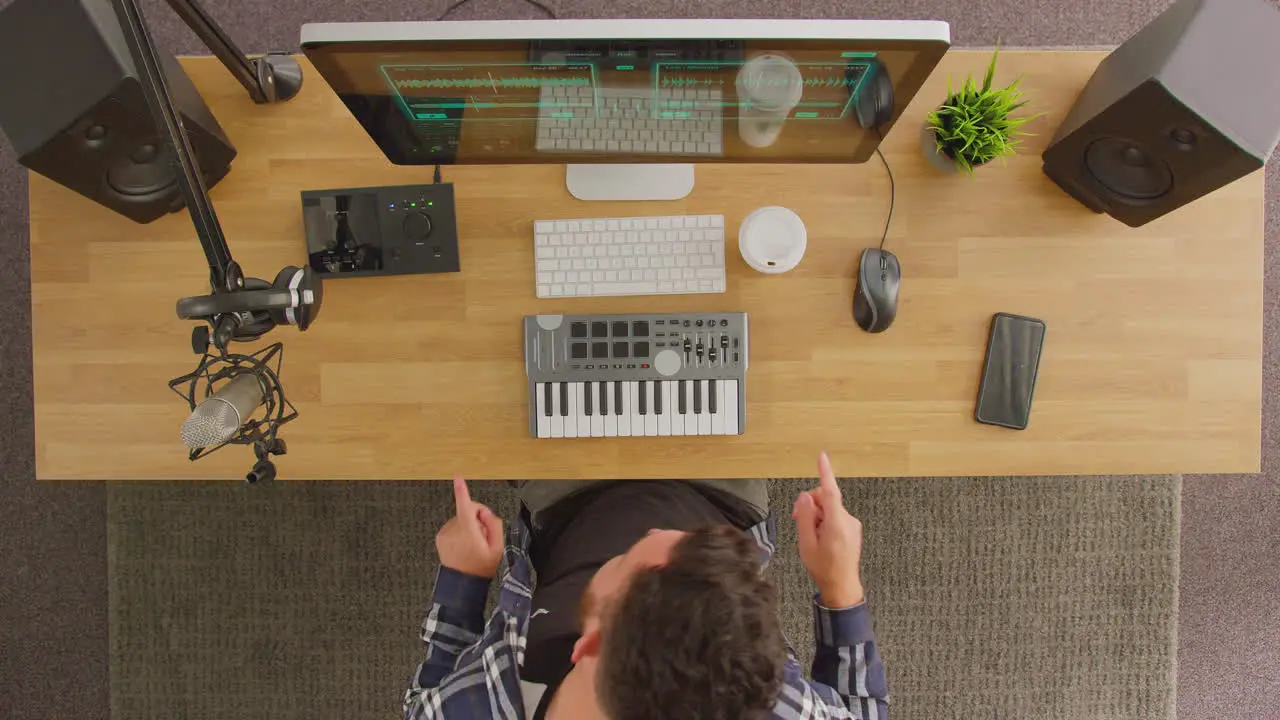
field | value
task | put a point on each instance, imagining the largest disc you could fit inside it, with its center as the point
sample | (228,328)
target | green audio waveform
(515,82)
(829,81)
(678,81)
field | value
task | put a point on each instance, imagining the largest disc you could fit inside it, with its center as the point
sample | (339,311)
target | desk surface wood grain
(1152,362)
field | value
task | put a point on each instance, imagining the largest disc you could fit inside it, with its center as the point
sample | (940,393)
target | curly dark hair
(695,639)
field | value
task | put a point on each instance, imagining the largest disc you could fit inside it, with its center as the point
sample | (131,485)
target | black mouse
(874,104)
(875,297)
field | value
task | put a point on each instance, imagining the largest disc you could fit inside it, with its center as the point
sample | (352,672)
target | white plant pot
(936,158)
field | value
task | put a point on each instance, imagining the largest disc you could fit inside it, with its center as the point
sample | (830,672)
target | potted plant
(975,125)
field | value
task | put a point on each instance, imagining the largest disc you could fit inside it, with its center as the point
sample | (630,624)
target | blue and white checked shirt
(472,669)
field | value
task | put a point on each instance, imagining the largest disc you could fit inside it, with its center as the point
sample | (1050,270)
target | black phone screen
(1009,373)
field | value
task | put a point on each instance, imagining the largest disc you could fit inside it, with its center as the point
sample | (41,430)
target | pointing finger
(827,478)
(461,496)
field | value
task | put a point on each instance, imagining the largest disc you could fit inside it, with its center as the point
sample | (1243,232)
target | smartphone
(1009,372)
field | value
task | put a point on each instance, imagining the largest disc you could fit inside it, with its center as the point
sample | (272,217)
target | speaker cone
(148,171)
(1127,170)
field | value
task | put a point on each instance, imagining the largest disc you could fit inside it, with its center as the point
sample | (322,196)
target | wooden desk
(1152,362)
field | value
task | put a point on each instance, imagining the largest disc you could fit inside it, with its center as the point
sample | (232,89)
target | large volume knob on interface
(417,226)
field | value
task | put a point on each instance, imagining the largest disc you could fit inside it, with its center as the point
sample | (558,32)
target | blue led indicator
(432,116)
(806,114)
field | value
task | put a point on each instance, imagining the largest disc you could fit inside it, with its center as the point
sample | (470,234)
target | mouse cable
(893,192)
(459,3)
(437,174)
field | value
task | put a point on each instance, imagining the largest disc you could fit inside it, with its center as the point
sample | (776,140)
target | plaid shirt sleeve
(848,679)
(454,623)
(472,667)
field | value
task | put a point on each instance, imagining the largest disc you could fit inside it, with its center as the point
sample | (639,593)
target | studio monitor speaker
(1187,105)
(72,106)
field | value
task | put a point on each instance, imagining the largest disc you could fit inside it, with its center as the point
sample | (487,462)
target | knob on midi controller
(667,363)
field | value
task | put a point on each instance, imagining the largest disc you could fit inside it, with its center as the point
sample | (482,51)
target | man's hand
(472,541)
(830,540)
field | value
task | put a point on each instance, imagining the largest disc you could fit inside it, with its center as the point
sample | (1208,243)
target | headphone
(293,298)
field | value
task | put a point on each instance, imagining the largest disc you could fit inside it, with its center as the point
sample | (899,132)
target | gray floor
(53,538)
(302,599)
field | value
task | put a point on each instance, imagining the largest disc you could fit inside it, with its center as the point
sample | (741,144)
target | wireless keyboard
(645,121)
(629,256)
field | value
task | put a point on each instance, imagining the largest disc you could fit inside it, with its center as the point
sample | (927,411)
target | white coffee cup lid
(771,82)
(772,239)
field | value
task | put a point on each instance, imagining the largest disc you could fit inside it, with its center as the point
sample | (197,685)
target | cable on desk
(893,191)
(437,174)
(459,3)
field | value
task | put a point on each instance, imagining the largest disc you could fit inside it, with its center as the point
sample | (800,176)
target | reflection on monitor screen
(444,98)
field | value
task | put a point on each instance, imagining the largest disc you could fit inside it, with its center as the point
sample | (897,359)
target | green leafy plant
(974,126)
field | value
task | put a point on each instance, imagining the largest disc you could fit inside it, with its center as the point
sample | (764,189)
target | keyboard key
(684,407)
(617,397)
(659,396)
(557,420)
(663,424)
(731,425)
(626,288)
(675,417)
(704,415)
(627,420)
(611,411)
(598,412)
(578,398)
(644,397)
(587,399)
(542,413)
(697,397)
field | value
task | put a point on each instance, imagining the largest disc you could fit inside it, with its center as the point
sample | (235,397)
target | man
(651,603)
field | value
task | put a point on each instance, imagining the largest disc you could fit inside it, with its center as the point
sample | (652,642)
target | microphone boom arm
(273,78)
(234,311)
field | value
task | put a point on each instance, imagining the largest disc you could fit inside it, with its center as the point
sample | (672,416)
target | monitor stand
(629,182)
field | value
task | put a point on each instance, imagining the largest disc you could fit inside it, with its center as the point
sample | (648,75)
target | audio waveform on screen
(668,81)
(830,81)
(513,82)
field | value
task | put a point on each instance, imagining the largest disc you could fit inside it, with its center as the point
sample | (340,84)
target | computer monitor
(627,104)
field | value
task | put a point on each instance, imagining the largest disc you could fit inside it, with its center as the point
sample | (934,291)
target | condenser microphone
(219,417)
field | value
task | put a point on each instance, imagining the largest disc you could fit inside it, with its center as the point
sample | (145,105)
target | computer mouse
(875,296)
(874,104)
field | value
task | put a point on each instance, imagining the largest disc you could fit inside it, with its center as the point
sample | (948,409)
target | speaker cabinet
(72,106)
(1187,105)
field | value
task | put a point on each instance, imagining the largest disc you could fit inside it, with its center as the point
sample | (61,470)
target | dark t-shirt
(581,533)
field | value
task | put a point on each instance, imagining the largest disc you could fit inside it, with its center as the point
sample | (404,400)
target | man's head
(684,625)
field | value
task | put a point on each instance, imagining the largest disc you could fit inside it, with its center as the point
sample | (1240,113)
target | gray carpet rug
(993,598)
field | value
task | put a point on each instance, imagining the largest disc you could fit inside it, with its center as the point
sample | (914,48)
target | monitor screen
(626,91)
